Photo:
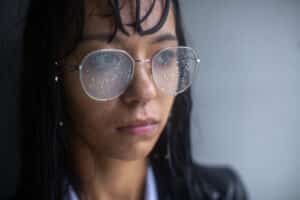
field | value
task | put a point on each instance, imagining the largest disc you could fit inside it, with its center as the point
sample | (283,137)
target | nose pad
(142,87)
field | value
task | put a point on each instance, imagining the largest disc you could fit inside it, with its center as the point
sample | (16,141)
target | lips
(139,127)
(137,123)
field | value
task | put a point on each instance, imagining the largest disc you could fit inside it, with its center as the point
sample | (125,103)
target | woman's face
(126,127)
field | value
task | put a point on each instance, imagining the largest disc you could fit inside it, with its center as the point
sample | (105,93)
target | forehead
(99,16)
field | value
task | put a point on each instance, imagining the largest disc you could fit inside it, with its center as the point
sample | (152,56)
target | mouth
(139,127)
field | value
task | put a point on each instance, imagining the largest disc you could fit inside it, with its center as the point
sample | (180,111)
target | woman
(105,105)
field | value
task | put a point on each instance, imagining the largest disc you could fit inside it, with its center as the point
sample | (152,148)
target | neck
(107,178)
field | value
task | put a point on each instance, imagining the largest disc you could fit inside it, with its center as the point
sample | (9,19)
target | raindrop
(165,77)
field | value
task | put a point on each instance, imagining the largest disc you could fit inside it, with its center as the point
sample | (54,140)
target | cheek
(91,122)
(82,110)
(165,106)
(95,122)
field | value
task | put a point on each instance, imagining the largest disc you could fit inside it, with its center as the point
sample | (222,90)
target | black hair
(53,29)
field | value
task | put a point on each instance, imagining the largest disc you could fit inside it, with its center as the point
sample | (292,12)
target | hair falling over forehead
(118,5)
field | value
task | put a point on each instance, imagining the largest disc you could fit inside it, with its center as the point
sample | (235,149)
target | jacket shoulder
(11,198)
(219,182)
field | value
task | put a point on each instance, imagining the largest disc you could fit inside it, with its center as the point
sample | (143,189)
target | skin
(113,165)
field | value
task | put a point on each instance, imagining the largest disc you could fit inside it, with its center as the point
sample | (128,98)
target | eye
(165,57)
(108,58)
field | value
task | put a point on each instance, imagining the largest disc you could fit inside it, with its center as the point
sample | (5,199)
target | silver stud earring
(61,123)
(56,79)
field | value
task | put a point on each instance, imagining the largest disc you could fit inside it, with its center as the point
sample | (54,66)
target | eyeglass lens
(106,74)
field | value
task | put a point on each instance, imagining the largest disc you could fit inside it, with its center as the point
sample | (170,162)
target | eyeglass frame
(79,67)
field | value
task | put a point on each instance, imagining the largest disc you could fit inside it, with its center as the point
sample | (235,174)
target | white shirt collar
(150,192)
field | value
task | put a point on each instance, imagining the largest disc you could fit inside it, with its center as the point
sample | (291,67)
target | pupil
(107,59)
(166,57)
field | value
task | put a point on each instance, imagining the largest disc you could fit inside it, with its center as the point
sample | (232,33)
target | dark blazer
(211,183)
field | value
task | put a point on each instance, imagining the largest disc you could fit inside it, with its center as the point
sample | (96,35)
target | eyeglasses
(105,74)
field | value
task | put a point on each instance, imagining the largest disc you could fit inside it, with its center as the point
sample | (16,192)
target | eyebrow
(164,37)
(104,37)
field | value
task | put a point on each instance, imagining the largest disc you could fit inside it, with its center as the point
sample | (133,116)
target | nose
(142,87)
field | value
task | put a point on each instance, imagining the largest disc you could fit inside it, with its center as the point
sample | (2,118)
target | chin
(132,154)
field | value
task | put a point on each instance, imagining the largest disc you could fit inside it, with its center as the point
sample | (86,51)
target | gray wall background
(246,110)
(246,97)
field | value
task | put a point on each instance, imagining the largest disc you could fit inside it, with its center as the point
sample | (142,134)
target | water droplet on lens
(164,77)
